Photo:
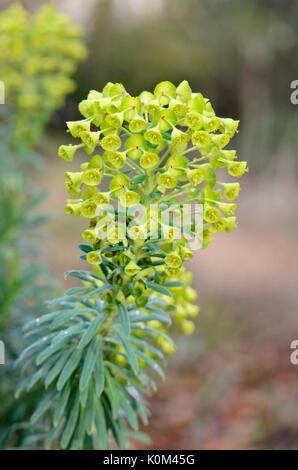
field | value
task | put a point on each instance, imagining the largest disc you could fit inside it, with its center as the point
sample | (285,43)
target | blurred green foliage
(39,54)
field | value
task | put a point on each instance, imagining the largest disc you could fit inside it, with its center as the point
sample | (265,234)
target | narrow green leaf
(71,423)
(59,411)
(77,290)
(85,248)
(151,363)
(84,397)
(160,289)
(91,330)
(129,412)
(140,436)
(57,368)
(97,291)
(174,284)
(112,393)
(69,367)
(138,179)
(38,375)
(99,378)
(79,433)
(90,410)
(101,428)
(43,406)
(149,329)
(124,320)
(128,349)
(89,363)
(46,353)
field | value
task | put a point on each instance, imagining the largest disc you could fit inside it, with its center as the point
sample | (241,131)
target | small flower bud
(135,146)
(101,198)
(231,190)
(229,126)
(193,120)
(167,180)
(141,300)
(66,152)
(138,124)
(92,177)
(76,127)
(111,142)
(230,224)
(211,214)
(221,140)
(179,140)
(96,162)
(117,159)
(118,183)
(173,260)
(186,254)
(137,233)
(211,124)
(188,327)
(218,226)
(192,310)
(164,91)
(196,176)
(129,199)
(88,209)
(226,208)
(115,120)
(167,120)
(93,257)
(183,91)
(115,235)
(89,235)
(149,160)
(201,138)
(168,347)
(90,140)
(131,269)
(177,165)
(131,107)
(73,209)
(153,136)
(237,169)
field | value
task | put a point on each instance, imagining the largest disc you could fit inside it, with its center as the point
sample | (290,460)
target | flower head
(111,142)
(167,180)
(93,257)
(231,190)
(173,260)
(92,177)
(149,160)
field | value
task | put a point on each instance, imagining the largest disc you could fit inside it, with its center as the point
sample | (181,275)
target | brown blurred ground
(231,385)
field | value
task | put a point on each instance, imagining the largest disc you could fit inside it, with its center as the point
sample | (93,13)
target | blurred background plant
(39,54)
(239,389)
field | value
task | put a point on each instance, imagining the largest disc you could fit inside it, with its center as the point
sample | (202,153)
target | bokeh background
(231,384)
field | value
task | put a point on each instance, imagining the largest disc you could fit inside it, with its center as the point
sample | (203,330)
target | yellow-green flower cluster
(161,150)
(39,53)
(167,144)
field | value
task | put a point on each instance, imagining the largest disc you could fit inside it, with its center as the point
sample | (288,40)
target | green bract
(157,153)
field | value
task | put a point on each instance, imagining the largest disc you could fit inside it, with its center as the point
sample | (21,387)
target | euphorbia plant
(150,157)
